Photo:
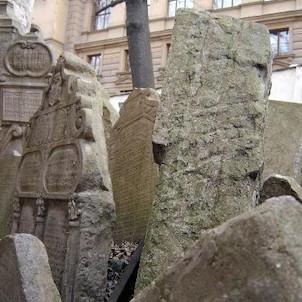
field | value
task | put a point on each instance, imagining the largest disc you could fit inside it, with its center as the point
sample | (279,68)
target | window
(173,5)
(225,3)
(279,41)
(102,20)
(127,67)
(96,61)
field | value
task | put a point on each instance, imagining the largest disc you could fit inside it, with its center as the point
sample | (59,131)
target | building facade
(71,25)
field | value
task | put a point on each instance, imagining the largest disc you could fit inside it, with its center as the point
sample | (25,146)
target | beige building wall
(69,25)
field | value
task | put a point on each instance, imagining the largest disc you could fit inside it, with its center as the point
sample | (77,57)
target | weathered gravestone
(24,271)
(132,167)
(283,140)
(110,117)
(255,257)
(208,132)
(277,185)
(64,192)
(24,71)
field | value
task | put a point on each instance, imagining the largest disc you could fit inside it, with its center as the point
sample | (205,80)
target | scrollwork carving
(53,93)
(79,123)
(28,58)
(14,131)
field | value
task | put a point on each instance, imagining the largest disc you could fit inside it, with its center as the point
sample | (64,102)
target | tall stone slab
(132,167)
(64,194)
(208,132)
(283,140)
(24,271)
(255,257)
(25,65)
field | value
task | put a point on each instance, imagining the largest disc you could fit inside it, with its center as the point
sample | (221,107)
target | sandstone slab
(208,132)
(132,167)
(64,194)
(283,140)
(255,257)
(25,64)
(24,271)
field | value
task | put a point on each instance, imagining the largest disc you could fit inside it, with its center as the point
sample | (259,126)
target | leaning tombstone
(110,117)
(63,189)
(208,132)
(24,271)
(278,185)
(283,140)
(24,72)
(132,167)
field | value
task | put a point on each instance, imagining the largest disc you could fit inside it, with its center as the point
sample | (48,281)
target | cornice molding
(122,41)
(277,17)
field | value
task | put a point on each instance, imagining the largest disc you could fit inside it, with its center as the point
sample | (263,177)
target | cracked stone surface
(209,128)
(255,257)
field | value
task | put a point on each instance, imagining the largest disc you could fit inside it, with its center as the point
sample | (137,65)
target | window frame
(97,67)
(278,31)
(222,2)
(186,3)
(102,20)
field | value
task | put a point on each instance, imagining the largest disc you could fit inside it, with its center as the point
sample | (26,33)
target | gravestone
(254,257)
(132,167)
(24,72)
(283,140)
(24,271)
(208,132)
(110,117)
(277,185)
(64,192)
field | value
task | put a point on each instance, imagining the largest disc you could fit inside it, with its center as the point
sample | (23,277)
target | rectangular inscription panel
(20,104)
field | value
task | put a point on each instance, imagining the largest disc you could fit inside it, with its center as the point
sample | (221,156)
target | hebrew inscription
(30,172)
(133,170)
(62,169)
(20,104)
(28,59)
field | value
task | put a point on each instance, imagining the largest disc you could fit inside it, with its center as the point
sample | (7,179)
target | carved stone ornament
(13,132)
(53,93)
(41,210)
(74,212)
(25,58)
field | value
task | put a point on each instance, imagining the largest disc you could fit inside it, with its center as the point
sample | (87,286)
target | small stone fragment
(278,185)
